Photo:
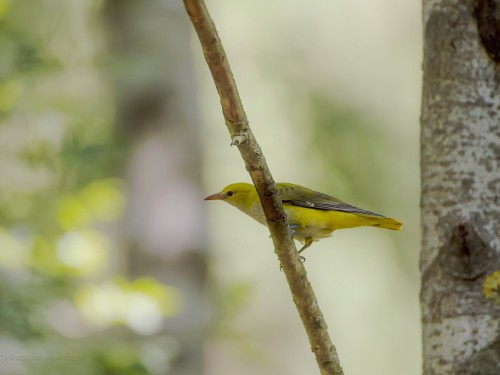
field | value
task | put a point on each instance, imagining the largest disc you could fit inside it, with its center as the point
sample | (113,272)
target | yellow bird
(311,215)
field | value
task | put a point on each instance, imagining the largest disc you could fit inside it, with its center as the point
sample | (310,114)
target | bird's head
(240,195)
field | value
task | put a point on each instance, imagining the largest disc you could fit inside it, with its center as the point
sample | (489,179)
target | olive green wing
(300,196)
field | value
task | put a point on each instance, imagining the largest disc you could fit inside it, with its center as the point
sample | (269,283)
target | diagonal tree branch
(241,135)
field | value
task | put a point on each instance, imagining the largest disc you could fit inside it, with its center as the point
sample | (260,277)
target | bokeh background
(111,134)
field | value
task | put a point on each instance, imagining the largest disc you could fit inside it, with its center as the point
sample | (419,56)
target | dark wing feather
(303,197)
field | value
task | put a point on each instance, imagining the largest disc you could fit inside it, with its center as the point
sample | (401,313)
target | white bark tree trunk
(460,171)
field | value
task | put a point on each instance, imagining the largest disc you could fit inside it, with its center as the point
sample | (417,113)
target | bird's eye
(230,193)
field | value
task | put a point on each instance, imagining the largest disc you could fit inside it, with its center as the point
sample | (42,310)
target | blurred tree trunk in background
(460,202)
(164,222)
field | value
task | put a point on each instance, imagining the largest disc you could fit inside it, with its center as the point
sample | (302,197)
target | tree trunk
(460,202)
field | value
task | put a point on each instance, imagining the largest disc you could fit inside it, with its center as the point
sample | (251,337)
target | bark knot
(466,255)
(488,24)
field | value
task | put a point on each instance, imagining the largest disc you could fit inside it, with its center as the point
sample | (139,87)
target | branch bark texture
(460,202)
(241,136)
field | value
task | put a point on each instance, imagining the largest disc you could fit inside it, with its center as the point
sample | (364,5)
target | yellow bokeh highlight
(491,287)
(81,251)
(72,213)
(101,200)
(104,199)
(4,7)
(141,305)
(77,253)
(163,294)
(101,305)
(84,252)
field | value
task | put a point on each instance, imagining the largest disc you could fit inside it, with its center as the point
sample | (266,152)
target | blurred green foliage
(356,155)
(352,151)
(61,199)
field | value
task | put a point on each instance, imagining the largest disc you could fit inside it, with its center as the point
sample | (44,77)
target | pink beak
(214,197)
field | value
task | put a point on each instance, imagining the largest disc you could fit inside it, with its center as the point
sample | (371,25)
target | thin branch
(241,136)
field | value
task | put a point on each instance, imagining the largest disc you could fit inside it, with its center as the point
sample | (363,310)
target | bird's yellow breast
(320,224)
(307,222)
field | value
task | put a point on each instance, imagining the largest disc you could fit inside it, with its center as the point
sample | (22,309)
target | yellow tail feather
(388,223)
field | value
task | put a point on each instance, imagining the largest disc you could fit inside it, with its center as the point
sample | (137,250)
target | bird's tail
(388,223)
